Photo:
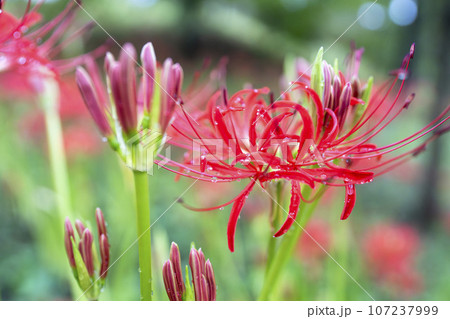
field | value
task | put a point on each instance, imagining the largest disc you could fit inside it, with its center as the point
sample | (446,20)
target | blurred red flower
(314,242)
(390,252)
(30,50)
(80,136)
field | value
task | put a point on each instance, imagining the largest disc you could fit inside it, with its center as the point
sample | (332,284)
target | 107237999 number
(403,310)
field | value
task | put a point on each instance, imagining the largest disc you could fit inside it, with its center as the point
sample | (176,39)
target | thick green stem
(143,232)
(286,249)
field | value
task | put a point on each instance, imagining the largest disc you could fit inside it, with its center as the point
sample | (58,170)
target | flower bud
(176,264)
(92,101)
(204,284)
(86,251)
(104,255)
(170,282)
(84,260)
(80,227)
(101,225)
(68,236)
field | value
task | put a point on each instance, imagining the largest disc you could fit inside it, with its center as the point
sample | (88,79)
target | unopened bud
(68,234)
(101,225)
(86,251)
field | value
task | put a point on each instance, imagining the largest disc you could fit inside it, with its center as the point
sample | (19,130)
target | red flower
(390,251)
(33,52)
(79,135)
(325,140)
(317,233)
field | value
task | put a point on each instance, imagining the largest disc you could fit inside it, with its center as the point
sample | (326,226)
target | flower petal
(293,210)
(350,198)
(234,215)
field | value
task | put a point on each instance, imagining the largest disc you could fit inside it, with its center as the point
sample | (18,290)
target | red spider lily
(33,52)
(80,137)
(322,139)
(314,242)
(390,251)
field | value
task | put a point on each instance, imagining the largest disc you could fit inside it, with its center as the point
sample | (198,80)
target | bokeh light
(403,12)
(372,15)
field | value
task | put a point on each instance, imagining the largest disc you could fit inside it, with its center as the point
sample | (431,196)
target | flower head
(203,280)
(82,254)
(323,137)
(31,50)
(390,253)
(137,112)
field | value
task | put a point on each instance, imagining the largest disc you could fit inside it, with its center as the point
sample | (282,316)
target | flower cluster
(390,253)
(203,280)
(89,271)
(136,112)
(33,52)
(321,137)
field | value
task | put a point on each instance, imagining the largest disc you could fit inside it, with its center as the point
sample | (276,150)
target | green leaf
(189,293)
(84,281)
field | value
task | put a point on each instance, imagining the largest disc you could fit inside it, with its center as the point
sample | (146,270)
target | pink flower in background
(80,137)
(390,252)
(32,50)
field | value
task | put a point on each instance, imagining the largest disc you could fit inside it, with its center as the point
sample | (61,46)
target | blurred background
(395,244)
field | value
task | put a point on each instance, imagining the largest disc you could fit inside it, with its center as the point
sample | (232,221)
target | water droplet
(221,208)
(17,35)
(22,60)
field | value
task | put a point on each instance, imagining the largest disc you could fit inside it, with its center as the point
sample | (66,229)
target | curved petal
(350,198)
(293,210)
(234,215)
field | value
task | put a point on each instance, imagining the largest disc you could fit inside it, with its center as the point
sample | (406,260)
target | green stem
(286,249)
(49,100)
(143,232)
(276,221)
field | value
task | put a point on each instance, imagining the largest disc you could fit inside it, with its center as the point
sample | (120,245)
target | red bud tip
(80,227)
(412,50)
(210,278)
(170,282)
(176,266)
(68,235)
(101,225)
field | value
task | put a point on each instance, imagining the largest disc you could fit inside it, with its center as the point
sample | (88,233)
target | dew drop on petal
(22,60)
